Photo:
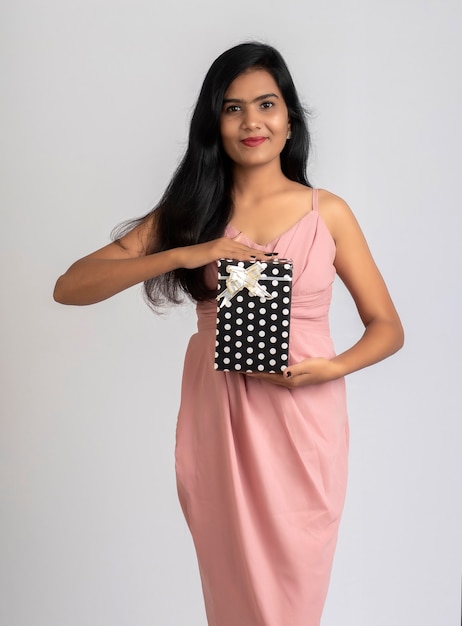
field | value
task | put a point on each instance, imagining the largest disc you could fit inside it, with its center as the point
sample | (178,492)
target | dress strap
(315,199)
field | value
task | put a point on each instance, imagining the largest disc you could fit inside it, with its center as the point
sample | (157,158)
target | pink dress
(262,469)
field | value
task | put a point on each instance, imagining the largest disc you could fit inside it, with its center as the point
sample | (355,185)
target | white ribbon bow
(239,278)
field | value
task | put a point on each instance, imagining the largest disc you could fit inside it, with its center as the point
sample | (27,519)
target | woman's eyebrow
(257,99)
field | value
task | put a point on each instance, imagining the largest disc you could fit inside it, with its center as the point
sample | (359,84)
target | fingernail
(269,253)
(253,256)
(274,253)
(288,374)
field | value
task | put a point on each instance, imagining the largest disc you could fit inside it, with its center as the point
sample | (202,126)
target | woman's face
(254,119)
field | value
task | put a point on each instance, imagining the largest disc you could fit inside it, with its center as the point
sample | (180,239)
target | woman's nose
(250,119)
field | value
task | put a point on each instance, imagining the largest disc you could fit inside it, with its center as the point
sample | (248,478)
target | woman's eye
(267,105)
(232,108)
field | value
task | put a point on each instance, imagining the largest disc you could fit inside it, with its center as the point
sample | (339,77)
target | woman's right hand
(201,254)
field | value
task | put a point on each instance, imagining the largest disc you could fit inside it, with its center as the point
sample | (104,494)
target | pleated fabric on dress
(261,469)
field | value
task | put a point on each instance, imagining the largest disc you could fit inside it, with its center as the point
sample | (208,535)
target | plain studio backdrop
(95,105)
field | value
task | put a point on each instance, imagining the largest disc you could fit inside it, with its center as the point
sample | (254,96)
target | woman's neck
(255,182)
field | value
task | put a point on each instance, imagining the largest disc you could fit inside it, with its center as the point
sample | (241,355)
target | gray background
(94,112)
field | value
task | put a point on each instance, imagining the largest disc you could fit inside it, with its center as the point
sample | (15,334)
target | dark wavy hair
(197,204)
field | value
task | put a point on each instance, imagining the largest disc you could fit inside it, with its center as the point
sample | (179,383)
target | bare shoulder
(133,244)
(353,259)
(137,241)
(336,213)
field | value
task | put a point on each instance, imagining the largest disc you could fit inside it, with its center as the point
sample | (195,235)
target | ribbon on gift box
(240,278)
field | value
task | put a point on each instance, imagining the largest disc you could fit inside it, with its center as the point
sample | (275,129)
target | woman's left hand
(308,372)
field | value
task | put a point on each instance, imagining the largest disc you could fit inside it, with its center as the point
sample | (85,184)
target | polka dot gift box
(253,315)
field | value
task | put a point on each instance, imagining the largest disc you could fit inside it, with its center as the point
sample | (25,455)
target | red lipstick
(253,142)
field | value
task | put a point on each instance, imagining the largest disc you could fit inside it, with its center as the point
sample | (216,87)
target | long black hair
(197,203)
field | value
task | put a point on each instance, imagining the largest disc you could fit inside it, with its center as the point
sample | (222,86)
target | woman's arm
(111,269)
(383,334)
(124,263)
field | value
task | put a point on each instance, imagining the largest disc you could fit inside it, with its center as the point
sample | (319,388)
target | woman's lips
(252,142)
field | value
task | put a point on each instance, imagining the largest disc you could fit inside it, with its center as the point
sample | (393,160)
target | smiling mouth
(252,142)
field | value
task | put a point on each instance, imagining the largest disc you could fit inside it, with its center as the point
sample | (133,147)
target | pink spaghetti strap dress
(261,469)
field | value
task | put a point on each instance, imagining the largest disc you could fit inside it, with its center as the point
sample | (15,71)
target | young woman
(261,458)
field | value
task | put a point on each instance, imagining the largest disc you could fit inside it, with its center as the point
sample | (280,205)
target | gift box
(253,315)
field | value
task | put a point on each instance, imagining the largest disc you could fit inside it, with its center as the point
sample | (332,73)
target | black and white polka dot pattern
(252,333)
